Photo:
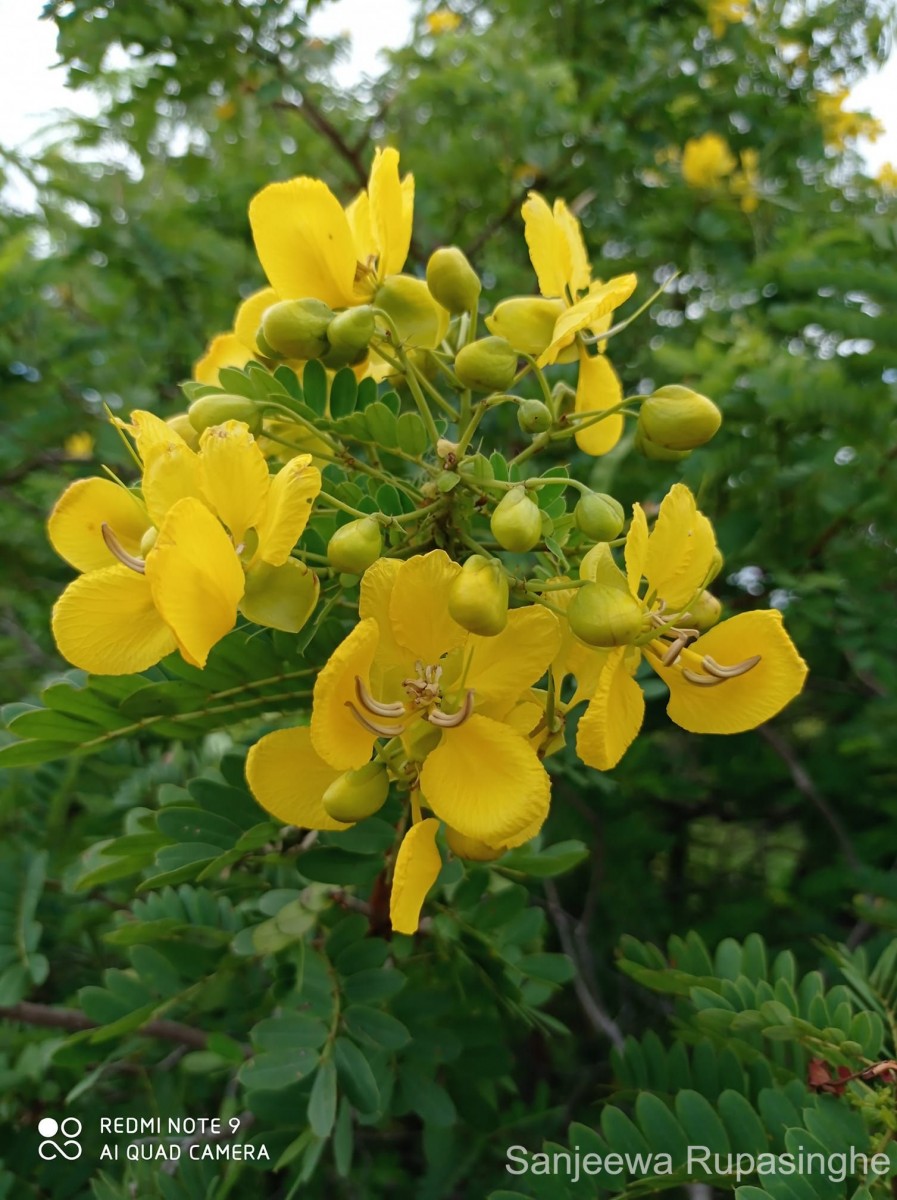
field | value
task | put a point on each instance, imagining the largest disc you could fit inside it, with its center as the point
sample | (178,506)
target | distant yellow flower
(887,177)
(723,13)
(733,678)
(840,126)
(572,303)
(209,535)
(446,699)
(443,20)
(79,446)
(745,183)
(225,110)
(706,161)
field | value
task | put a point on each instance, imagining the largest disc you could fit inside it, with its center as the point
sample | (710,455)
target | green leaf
(700,1122)
(411,434)
(355,1076)
(427,1098)
(547,863)
(314,387)
(377,1027)
(381,424)
(322,1101)
(343,393)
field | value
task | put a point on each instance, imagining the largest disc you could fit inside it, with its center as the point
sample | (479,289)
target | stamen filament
(713,667)
(701,680)
(374,726)
(452,720)
(375,707)
(115,546)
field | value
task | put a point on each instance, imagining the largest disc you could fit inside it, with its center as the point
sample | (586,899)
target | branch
(74,1021)
(326,129)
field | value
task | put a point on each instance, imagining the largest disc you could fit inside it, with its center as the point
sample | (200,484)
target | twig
(326,129)
(600,1021)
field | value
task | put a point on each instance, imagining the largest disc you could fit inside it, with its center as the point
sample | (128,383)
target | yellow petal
(75,524)
(485,780)
(170,475)
(304,242)
(571,231)
(527,322)
(502,668)
(392,661)
(288,779)
(249,318)
(418,607)
(358,214)
(151,434)
(224,350)
(196,579)
(549,249)
(596,304)
(335,733)
(573,656)
(598,389)
(681,549)
(747,700)
(233,476)
(281,597)
(290,497)
(390,212)
(105,622)
(636,549)
(416,869)
(611,723)
(599,566)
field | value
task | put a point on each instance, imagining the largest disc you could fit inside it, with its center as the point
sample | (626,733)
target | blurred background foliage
(136,250)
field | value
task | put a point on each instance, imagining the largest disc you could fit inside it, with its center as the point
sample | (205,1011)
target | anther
(452,720)
(374,726)
(115,546)
(375,707)
(674,651)
(713,667)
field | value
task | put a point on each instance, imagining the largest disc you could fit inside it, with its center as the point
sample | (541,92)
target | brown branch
(805,785)
(322,125)
(74,1021)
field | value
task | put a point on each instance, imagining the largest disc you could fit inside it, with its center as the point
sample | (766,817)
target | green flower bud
(599,516)
(478,597)
(219,407)
(357,794)
(677,418)
(297,328)
(263,347)
(182,424)
(534,417)
(355,546)
(605,616)
(516,522)
(651,450)
(350,331)
(452,281)
(704,612)
(526,321)
(487,365)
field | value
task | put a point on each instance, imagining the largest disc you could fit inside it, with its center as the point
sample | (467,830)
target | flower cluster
(840,126)
(346,456)
(709,165)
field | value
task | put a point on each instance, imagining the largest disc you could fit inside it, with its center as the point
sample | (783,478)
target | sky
(31,88)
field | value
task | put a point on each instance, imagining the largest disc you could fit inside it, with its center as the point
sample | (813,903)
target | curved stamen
(366,700)
(374,726)
(116,548)
(674,651)
(701,680)
(452,720)
(713,667)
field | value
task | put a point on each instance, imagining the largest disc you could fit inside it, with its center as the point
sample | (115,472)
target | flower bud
(297,328)
(704,612)
(470,848)
(599,516)
(452,281)
(182,425)
(350,331)
(527,322)
(478,596)
(533,416)
(355,546)
(487,365)
(651,450)
(148,541)
(677,418)
(357,794)
(219,407)
(516,522)
(606,616)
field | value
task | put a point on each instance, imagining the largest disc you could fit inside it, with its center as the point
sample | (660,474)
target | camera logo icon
(68,1130)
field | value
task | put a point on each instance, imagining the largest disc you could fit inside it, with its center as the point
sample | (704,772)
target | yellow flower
(840,126)
(722,13)
(209,534)
(572,303)
(735,677)
(237,348)
(887,177)
(443,20)
(706,161)
(79,446)
(446,702)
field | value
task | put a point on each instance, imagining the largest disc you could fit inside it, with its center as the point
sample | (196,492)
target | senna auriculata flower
(572,304)
(450,711)
(732,678)
(311,247)
(707,161)
(208,535)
